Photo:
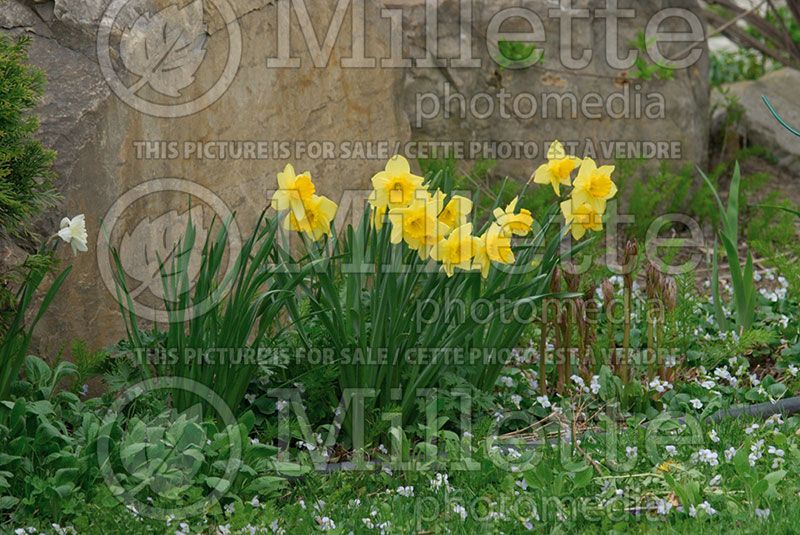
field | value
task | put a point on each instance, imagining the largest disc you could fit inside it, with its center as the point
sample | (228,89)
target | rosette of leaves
(234,310)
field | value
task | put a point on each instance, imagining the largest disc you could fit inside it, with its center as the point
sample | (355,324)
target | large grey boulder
(110,144)
(100,136)
(681,122)
(755,124)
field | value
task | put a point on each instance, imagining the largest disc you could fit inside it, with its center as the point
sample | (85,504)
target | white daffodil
(73,231)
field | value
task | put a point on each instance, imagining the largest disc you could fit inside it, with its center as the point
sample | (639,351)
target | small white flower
(544,401)
(663,507)
(775,419)
(631,451)
(705,506)
(408,491)
(762,513)
(441,480)
(729,453)
(251,398)
(594,386)
(708,457)
(793,370)
(326,524)
(73,231)
(507,381)
(751,429)
(715,481)
(775,451)
(672,451)
(460,511)
(660,386)
(382,449)
(254,502)
(696,403)
(281,404)
(713,436)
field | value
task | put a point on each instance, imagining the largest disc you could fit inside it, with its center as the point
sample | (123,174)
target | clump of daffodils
(438,226)
(592,188)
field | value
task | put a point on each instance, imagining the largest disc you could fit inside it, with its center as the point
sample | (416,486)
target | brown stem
(626,334)
(651,341)
(612,348)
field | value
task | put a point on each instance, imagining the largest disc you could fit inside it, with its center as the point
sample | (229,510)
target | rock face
(232,94)
(756,125)
(106,147)
(587,103)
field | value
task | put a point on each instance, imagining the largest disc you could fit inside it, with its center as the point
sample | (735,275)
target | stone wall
(113,135)
(659,111)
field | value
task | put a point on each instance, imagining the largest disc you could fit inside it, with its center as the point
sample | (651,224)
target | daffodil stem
(543,359)
(660,330)
(558,339)
(567,342)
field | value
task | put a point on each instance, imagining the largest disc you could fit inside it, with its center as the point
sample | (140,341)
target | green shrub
(25,165)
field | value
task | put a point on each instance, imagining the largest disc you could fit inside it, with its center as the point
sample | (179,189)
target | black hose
(760,410)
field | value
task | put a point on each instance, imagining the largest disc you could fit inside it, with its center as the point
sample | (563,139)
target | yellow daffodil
(395,186)
(481,260)
(581,217)
(493,246)
(594,185)
(318,214)
(558,168)
(512,223)
(498,245)
(293,191)
(456,212)
(457,250)
(418,225)
(378,215)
